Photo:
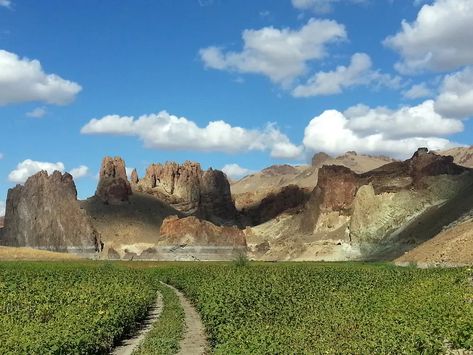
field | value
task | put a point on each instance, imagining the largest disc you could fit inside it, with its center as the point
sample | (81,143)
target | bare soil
(30,254)
(195,340)
(131,343)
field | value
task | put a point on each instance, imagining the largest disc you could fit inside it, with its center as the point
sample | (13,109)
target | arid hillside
(378,215)
(461,155)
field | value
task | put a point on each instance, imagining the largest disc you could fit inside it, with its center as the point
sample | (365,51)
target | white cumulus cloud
(79,172)
(358,72)
(380,130)
(38,112)
(456,94)
(2,208)
(439,39)
(166,131)
(235,171)
(30,167)
(280,54)
(22,79)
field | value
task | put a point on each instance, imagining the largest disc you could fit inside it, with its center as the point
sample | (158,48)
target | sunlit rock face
(113,186)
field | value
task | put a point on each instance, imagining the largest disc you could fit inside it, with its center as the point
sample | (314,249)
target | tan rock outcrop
(113,186)
(191,190)
(193,231)
(134,179)
(44,213)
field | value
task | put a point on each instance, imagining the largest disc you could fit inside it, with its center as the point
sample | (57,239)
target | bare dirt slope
(461,155)
(135,221)
(425,234)
(29,254)
(453,246)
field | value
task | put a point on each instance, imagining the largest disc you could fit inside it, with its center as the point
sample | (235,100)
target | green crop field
(298,308)
(69,308)
(281,308)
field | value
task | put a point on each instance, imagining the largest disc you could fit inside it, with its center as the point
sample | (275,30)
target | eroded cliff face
(44,213)
(190,190)
(113,186)
(397,205)
(380,201)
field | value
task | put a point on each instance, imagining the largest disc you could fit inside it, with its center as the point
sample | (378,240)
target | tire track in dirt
(195,340)
(127,346)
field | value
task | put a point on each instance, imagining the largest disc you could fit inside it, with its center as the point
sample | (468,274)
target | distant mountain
(251,189)
(461,155)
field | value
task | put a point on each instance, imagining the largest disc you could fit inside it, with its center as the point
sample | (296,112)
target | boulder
(113,186)
(44,213)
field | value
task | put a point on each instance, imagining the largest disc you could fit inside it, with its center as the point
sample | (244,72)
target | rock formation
(113,186)
(371,205)
(375,215)
(44,213)
(193,231)
(191,190)
(134,178)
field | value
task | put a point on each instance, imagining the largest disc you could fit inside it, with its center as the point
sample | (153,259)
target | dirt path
(195,341)
(127,346)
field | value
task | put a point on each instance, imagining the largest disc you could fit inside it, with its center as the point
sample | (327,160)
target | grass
(167,331)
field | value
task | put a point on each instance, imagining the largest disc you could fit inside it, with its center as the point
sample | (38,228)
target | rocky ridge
(189,189)
(348,211)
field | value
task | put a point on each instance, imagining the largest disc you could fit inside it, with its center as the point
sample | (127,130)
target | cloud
(417,91)
(319,6)
(280,54)
(5,3)
(235,171)
(439,39)
(166,131)
(2,208)
(79,172)
(358,72)
(30,167)
(380,130)
(456,94)
(22,80)
(38,112)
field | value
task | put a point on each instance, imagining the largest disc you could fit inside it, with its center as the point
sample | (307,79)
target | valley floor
(245,307)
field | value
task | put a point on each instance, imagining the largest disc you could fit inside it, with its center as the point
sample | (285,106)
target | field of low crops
(69,308)
(297,308)
(281,308)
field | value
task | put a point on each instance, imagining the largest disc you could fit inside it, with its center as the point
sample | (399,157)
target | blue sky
(224,82)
